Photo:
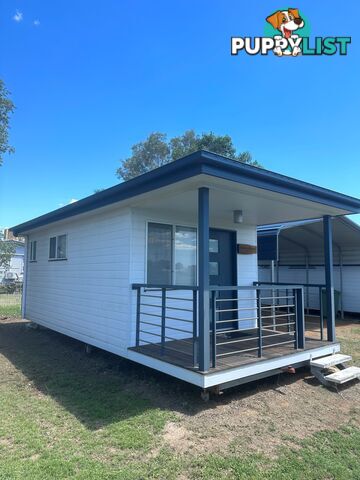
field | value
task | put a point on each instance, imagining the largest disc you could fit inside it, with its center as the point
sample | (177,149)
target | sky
(90,79)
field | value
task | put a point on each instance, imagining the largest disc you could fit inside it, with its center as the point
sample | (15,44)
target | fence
(10,298)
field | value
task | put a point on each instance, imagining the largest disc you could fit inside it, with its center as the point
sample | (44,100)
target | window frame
(173,255)
(32,257)
(56,258)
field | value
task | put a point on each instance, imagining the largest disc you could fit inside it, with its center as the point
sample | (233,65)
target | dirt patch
(177,437)
(269,416)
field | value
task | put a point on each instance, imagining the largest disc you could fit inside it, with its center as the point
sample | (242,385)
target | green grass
(67,416)
(10,310)
(326,455)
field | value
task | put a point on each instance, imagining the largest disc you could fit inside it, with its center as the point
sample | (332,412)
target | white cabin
(162,270)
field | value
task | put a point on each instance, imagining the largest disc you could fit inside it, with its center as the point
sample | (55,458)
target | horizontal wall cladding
(350,256)
(297,275)
(247,271)
(88,295)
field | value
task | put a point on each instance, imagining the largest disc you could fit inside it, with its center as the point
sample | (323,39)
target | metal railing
(310,290)
(166,316)
(247,320)
(243,320)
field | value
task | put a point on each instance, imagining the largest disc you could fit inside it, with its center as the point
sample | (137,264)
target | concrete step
(330,360)
(343,376)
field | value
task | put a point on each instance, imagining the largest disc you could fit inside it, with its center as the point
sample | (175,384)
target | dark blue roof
(201,162)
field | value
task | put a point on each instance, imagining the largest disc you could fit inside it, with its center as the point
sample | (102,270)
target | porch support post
(329,278)
(204,298)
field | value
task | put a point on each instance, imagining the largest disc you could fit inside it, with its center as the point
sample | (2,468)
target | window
(214,268)
(57,248)
(185,256)
(33,251)
(171,255)
(159,253)
(213,245)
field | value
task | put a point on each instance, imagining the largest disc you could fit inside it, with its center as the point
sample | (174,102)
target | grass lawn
(68,415)
(10,310)
(10,305)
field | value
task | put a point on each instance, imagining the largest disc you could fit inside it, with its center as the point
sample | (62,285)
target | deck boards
(180,352)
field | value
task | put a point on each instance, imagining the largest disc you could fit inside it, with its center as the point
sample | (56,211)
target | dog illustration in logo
(287,22)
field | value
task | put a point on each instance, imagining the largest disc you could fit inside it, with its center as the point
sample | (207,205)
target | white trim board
(217,378)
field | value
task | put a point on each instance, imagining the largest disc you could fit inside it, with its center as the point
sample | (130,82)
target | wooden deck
(180,352)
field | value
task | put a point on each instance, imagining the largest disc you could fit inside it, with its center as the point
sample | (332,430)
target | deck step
(343,376)
(330,360)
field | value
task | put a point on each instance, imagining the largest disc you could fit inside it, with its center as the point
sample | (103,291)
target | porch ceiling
(259,206)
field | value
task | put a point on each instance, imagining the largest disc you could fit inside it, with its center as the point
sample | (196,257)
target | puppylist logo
(287,34)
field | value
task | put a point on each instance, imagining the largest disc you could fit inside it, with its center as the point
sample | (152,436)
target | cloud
(72,200)
(18,17)
(36,23)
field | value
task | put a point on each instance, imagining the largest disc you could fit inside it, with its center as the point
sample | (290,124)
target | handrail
(135,286)
(251,287)
(296,285)
(256,286)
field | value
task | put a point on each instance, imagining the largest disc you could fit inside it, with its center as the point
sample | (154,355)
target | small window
(57,248)
(52,253)
(61,246)
(213,245)
(213,268)
(33,251)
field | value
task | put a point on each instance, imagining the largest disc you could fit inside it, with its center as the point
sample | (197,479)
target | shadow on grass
(103,388)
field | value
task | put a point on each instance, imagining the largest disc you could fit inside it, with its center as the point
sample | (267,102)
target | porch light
(238,216)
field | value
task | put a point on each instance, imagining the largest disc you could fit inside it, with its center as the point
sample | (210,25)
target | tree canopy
(157,150)
(7,249)
(6,109)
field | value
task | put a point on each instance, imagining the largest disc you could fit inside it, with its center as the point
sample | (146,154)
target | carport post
(329,278)
(204,297)
(341,283)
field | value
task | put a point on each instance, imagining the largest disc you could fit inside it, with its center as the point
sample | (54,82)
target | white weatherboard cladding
(297,275)
(86,296)
(89,295)
(246,267)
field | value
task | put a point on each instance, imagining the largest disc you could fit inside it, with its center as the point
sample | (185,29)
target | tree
(6,109)
(7,249)
(152,153)
(156,151)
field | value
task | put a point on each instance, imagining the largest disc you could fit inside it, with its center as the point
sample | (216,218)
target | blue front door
(223,272)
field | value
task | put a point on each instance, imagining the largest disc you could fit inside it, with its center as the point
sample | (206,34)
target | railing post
(300,318)
(204,298)
(163,316)
(213,326)
(138,292)
(195,333)
(321,313)
(288,311)
(258,298)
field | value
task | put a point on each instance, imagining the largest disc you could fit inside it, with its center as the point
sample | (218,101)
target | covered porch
(225,326)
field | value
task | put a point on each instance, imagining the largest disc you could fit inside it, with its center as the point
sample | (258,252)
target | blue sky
(90,79)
